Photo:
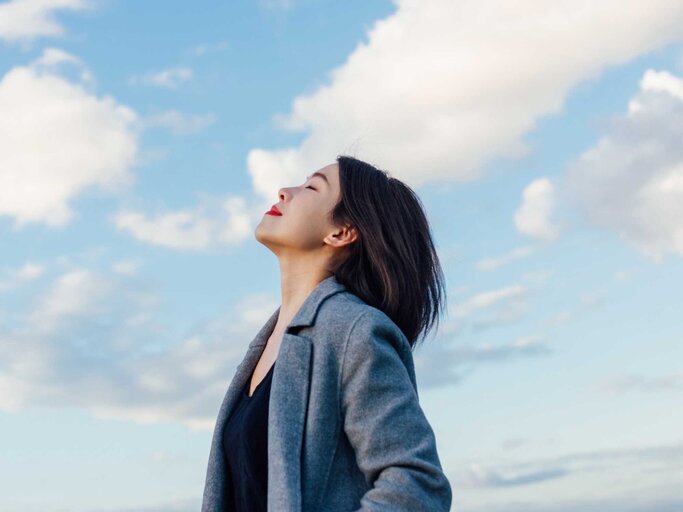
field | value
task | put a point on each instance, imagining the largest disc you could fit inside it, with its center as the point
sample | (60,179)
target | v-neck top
(245,447)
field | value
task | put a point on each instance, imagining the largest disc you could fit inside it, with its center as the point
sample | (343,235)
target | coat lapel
(287,407)
(289,404)
(286,417)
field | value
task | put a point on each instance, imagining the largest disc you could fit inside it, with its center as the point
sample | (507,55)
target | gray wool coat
(346,431)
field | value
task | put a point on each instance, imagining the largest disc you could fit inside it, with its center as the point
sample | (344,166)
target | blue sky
(140,144)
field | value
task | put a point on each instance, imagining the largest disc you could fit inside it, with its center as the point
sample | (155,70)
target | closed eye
(310,187)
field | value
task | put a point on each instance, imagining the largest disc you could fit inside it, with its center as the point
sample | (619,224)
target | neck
(298,278)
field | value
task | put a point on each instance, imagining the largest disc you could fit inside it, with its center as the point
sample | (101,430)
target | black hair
(393,264)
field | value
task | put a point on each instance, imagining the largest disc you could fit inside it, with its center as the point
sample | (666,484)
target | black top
(245,446)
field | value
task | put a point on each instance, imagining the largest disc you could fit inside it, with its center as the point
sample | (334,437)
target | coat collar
(306,314)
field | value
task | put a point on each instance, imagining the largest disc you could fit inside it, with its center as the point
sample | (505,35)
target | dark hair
(393,264)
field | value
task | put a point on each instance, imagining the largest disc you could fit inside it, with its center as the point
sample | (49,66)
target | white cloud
(673,381)
(126,267)
(203,49)
(74,294)
(494,263)
(92,341)
(569,480)
(537,276)
(30,271)
(211,223)
(440,88)
(170,78)
(58,139)
(183,229)
(180,123)
(593,298)
(588,302)
(276,4)
(27,272)
(51,57)
(631,182)
(533,216)
(24,20)
(487,299)
(438,364)
(483,311)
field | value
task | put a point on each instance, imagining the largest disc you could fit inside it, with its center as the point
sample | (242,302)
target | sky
(141,142)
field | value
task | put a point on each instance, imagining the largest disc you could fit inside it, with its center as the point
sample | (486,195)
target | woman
(323,413)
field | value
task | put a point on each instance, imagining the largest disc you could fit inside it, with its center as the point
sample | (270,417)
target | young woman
(322,413)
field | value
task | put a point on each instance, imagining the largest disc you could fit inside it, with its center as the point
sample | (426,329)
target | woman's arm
(394,443)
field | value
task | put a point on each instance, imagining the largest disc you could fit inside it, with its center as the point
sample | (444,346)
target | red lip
(274,211)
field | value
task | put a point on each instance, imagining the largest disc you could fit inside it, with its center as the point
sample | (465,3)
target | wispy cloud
(641,383)
(488,299)
(560,465)
(27,272)
(203,49)
(179,123)
(170,78)
(92,340)
(478,476)
(277,4)
(440,364)
(599,467)
(179,505)
(126,267)
(499,261)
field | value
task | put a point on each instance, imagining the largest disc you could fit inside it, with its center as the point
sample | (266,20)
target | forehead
(328,170)
(331,172)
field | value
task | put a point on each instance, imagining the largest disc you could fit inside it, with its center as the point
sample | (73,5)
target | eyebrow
(320,175)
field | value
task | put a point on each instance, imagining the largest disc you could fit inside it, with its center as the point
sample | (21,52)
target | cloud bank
(441,88)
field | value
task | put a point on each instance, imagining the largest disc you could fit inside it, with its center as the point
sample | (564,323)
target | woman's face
(304,225)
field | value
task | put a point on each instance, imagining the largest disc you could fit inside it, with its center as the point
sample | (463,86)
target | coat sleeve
(394,444)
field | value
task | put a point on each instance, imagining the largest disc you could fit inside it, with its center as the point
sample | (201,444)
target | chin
(262,234)
(258,232)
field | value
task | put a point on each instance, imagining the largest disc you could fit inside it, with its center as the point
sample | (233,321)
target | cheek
(306,230)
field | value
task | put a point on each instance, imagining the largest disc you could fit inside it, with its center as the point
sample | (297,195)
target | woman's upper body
(360,280)
(345,428)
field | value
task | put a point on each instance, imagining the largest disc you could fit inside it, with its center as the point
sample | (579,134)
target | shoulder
(358,322)
(364,339)
(375,351)
(335,317)
(349,309)
(341,304)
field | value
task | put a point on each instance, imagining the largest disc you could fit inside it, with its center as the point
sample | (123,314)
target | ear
(345,235)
